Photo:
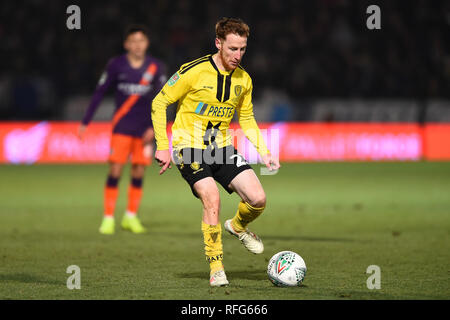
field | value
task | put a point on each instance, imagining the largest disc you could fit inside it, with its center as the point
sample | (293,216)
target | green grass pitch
(340,217)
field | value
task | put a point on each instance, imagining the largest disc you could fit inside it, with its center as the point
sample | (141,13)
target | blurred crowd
(307,49)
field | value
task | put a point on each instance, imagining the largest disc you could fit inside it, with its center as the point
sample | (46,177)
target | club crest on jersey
(238,90)
(173,79)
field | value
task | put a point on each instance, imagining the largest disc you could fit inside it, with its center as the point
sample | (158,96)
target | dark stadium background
(299,51)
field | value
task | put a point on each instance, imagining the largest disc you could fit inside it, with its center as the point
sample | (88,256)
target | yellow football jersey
(207,100)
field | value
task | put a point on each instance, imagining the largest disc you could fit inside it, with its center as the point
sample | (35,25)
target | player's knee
(210,198)
(115,170)
(258,200)
(137,170)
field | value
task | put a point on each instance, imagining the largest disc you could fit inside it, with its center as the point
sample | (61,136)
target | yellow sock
(244,215)
(212,237)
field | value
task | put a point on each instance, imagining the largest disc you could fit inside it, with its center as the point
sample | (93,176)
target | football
(286,269)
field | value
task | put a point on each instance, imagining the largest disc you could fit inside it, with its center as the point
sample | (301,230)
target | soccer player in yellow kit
(209,91)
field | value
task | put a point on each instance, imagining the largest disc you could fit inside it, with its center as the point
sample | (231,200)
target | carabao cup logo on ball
(282,264)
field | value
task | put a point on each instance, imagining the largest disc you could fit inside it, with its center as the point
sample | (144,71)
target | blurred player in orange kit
(136,78)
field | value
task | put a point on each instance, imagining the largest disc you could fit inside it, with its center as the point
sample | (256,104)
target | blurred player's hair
(133,28)
(226,26)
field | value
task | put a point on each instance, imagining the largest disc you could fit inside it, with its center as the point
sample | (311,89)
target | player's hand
(270,162)
(163,158)
(81,131)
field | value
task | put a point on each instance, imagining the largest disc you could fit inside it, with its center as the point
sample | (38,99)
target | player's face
(136,44)
(231,50)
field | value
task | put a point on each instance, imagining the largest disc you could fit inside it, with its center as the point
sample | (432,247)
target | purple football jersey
(135,90)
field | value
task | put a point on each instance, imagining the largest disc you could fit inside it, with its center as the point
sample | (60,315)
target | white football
(286,269)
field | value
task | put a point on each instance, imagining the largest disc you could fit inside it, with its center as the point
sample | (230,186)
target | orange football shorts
(124,146)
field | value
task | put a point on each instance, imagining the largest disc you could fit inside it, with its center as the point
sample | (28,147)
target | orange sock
(111,194)
(134,198)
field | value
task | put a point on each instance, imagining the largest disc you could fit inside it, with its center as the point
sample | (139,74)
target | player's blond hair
(226,26)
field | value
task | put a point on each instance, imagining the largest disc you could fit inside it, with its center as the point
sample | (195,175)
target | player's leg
(135,188)
(120,145)
(253,201)
(199,177)
(140,158)
(111,192)
(235,175)
(130,220)
(111,188)
(207,192)
(247,185)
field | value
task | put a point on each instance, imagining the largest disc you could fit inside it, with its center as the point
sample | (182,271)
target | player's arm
(251,130)
(106,79)
(173,90)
